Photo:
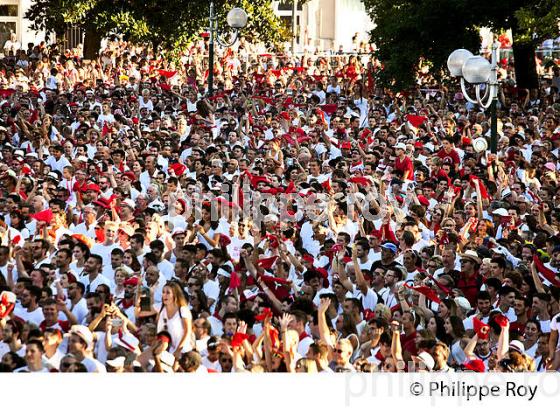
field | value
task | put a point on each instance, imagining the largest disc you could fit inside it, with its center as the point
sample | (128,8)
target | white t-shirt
(35,317)
(174,326)
(555,325)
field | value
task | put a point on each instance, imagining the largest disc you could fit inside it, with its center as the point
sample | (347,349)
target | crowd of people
(298,219)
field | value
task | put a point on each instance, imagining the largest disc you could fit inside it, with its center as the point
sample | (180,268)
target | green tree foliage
(411,31)
(171,24)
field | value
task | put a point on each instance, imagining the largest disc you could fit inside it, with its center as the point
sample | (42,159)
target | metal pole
(294,25)
(494,94)
(211,52)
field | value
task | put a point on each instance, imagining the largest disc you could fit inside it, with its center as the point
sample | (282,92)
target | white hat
(128,341)
(470,254)
(427,359)
(463,303)
(52,175)
(157,205)
(83,333)
(270,218)
(129,202)
(517,346)
(32,155)
(19,153)
(505,192)
(500,212)
(401,145)
(116,362)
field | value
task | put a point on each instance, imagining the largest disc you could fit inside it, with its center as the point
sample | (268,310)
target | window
(6,28)
(8,10)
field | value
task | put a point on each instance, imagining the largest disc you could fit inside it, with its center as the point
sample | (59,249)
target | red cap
(423,200)
(346,145)
(178,169)
(308,258)
(71,277)
(129,175)
(475,365)
(133,280)
(92,187)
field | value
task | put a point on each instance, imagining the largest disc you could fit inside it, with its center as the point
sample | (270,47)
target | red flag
(234,281)
(266,313)
(501,320)
(327,185)
(481,329)
(426,291)
(546,272)
(267,263)
(238,338)
(416,120)
(43,216)
(178,168)
(167,74)
(360,180)
(483,191)
(329,109)
(439,285)
(291,188)
(272,280)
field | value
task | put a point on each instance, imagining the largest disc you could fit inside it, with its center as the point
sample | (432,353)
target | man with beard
(76,302)
(91,276)
(30,310)
(11,341)
(126,304)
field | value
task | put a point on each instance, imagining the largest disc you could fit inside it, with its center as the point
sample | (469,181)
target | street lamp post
(478,71)
(236,19)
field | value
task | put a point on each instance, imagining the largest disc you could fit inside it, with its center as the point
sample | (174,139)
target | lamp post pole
(212,27)
(493,83)
(483,75)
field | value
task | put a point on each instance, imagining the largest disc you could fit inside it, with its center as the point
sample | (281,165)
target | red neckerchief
(303,335)
(126,304)
(379,356)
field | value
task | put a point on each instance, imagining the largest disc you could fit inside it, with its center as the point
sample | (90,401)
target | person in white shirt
(30,311)
(104,249)
(34,357)
(57,161)
(93,277)
(80,345)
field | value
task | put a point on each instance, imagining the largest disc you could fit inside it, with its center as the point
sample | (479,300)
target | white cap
(83,333)
(427,359)
(517,346)
(500,212)
(116,362)
(129,202)
(463,303)
(128,341)
(401,145)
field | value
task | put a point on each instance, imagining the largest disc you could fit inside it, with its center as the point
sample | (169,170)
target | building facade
(326,24)
(12,20)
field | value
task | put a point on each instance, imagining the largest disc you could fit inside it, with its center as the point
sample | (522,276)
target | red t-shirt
(470,286)
(404,166)
(453,155)
(408,343)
